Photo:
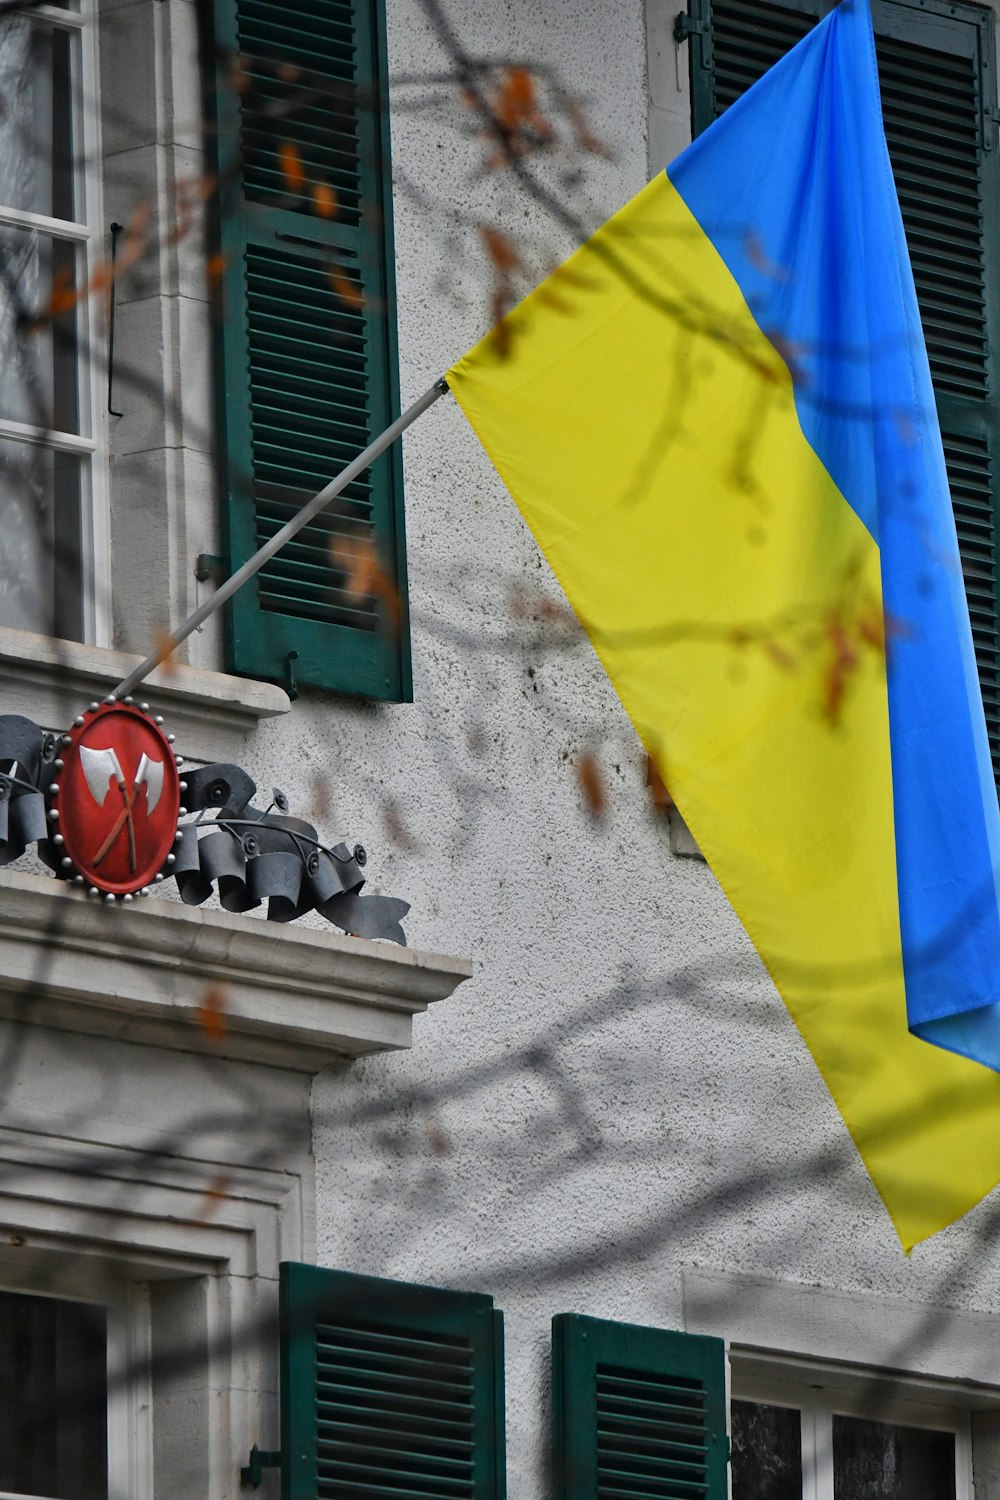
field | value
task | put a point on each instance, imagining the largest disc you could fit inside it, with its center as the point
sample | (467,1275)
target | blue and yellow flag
(717,418)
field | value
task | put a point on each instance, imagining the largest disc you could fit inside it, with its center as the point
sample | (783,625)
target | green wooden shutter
(637,1413)
(937,66)
(306,346)
(388,1389)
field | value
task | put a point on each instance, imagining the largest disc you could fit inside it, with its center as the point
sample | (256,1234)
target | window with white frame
(49,323)
(76,1391)
(53,1398)
(827,1433)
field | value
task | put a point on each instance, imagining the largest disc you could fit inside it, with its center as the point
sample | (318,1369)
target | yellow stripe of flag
(647,430)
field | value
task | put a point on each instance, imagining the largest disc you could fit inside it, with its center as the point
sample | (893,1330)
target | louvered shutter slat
(323,44)
(388,1390)
(936,69)
(638,1413)
(307,342)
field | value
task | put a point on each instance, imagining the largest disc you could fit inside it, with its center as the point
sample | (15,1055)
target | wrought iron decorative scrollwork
(247,855)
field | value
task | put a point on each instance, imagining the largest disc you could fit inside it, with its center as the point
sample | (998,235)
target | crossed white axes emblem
(98,767)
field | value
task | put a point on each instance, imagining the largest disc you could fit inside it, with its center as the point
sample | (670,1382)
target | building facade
(216,293)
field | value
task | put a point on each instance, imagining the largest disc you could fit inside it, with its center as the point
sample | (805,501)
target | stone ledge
(210,713)
(291,997)
(868,1331)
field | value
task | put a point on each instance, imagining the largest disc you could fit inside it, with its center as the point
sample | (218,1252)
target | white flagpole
(254,564)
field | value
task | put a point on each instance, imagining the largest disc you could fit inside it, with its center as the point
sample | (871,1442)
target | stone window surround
(190,1286)
(211,713)
(917,1355)
(181,1245)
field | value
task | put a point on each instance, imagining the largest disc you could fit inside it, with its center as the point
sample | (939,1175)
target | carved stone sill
(209,712)
(290,997)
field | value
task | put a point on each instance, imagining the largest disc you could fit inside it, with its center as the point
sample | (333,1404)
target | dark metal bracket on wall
(687,26)
(209,568)
(252,1473)
(116,230)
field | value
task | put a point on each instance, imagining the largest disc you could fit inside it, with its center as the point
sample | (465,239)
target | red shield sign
(118,799)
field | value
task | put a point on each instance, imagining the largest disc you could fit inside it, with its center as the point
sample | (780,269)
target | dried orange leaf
(843,647)
(843,662)
(833,694)
(779,655)
(591,783)
(500,249)
(387,595)
(239,72)
(500,333)
(292,169)
(548,298)
(139,220)
(585,138)
(168,662)
(357,559)
(659,795)
(436,1138)
(366,578)
(758,257)
(212,1012)
(64,294)
(214,1194)
(396,829)
(102,277)
(516,100)
(324,200)
(872,629)
(348,291)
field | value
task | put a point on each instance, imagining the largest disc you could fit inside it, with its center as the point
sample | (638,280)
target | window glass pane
(53,1398)
(880,1461)
(767,1452)
(37,119)
(42,501)
(38,352)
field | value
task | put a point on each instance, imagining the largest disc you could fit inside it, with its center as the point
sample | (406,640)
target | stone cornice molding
(210,713)
(290,997)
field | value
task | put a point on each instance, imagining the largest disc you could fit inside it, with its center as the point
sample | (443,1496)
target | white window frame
(130,1392)
(822,1390)
(88,234)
